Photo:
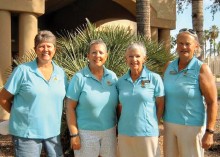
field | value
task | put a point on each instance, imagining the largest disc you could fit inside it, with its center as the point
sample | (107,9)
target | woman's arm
(6,99)
(160,107)
(72,123)
(209,91)
(119,108)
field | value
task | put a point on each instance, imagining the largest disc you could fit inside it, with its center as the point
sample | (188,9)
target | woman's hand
(207,141)
(75,143)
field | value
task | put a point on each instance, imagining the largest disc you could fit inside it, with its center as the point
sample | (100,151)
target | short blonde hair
(194,35)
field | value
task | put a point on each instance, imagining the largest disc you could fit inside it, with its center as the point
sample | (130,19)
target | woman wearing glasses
(190,101)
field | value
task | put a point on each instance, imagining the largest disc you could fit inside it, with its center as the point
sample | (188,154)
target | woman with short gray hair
(141,96)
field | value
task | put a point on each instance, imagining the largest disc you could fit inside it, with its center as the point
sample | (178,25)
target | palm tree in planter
(71,56)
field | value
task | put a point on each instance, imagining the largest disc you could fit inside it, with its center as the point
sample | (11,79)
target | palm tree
(143,18)
(218,48)
(197,20)
(206,37)
(211,43)
(214,32)
(172,42)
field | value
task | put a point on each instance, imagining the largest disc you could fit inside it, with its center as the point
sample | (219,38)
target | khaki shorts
(135,146)
(183,141)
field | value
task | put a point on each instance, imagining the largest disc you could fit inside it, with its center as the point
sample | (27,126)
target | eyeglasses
(191,31)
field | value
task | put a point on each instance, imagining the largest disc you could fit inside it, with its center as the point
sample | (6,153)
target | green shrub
(72,49)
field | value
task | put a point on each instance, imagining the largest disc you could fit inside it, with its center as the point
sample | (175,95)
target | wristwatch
(74,135)
(209,131)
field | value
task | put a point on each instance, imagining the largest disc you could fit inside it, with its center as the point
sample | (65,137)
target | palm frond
(29,56)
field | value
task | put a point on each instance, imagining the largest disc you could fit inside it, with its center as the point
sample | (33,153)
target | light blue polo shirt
(38,103)
(184,103)
(97,100)
(139,115)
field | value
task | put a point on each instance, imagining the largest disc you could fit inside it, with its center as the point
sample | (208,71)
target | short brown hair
(44,35)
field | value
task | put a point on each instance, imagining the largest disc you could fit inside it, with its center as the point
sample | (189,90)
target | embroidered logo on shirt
(143,83)
(173,72)
(56,78)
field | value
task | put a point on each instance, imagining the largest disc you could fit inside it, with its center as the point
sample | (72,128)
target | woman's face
(186,46)
(45,52)
(97,55)
(135,59)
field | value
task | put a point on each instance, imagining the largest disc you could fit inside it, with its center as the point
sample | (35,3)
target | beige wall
(166,9)
(163,19)
(163,12)
(33,6)
(131,25)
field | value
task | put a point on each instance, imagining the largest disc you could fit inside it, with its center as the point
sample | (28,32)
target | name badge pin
(173,72)
(143,83)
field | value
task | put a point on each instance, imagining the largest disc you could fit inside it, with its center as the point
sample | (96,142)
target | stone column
(154,34)
(27,30)
(164,36)
(5,52)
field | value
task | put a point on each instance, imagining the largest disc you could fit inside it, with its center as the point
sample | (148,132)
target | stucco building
(21,19)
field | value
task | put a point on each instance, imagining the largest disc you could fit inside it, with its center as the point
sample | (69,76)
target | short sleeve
(75,88)
(13,83)
(159,87)
(66,81)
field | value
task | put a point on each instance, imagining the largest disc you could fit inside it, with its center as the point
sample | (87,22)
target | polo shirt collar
(88,73)
(188,67)
(34,67)
(191,63)
(144,72)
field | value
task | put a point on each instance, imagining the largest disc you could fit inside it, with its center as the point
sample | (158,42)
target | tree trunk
(143,18)
(214,31)
(210,41)
(197,20)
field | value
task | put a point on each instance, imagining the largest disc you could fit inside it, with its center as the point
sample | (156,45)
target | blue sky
(184,20)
